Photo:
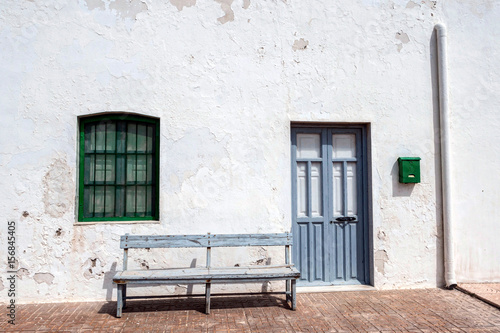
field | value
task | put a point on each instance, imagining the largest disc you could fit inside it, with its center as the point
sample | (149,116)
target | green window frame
(119,168)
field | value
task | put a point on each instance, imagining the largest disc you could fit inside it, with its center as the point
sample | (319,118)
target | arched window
(119,159)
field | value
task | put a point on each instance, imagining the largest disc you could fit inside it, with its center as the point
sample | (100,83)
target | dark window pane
(149,200)
(131,197)
(131,169)
(89,138)
(120,201)
(121,137)
(100,137)
(110,169)
(141,168)
(150,139)
(110,137)
(99,201)
(88,196)
(120,169)
(132,137)
(109,207)
(141,138)
(88,174)
(141,200)
(99,167)
(149,170)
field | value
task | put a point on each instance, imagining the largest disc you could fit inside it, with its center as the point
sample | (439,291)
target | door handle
(345,219)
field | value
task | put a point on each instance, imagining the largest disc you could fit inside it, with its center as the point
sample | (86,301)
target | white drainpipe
(449,262)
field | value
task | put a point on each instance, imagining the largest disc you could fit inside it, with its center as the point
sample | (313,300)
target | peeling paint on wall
(93,4)
(224,4)
(429,3)
(228,12)
(93,269)
(183,3)
(300,44)
(403,37)
(124,8)
(128,8)
(180,289)
(381,259)
(412,4)
(46,278)
(264,258)
(59,194)
(22,273)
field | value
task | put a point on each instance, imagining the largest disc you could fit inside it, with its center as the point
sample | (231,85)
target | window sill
(116,222)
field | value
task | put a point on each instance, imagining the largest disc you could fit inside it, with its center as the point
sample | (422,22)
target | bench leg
(294,294)
(288,296)
(124,295)
(207,298)
(119,300)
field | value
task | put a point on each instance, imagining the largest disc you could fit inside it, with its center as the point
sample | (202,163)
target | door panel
(344,145)
(329,204)
(301,189)
(352,202)
(308,145)
(317,238)
(338,196)
(316,190)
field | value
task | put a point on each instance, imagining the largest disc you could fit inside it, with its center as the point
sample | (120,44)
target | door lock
(345,219)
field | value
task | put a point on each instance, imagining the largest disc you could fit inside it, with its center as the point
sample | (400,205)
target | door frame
(366,187)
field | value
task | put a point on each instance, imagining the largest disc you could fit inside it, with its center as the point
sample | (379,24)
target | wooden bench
(205,275)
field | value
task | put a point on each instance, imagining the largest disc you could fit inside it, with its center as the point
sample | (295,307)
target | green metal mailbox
(409,169)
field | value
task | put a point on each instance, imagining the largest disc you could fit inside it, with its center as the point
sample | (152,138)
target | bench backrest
(207,241)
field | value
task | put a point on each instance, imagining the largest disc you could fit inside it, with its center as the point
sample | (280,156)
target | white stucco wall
(227,78)
(475,85)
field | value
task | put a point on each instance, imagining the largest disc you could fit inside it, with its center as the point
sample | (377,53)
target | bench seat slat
(214,274)
(201,281)
(209,240)
(163,241)
(228,240)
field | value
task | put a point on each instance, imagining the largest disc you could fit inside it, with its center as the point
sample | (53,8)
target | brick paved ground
(490,292)
(429,310)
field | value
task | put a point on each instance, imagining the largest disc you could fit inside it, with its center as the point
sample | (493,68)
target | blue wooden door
(329,205)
